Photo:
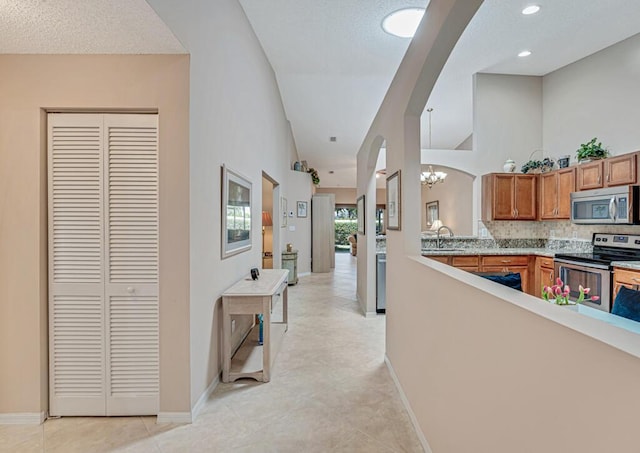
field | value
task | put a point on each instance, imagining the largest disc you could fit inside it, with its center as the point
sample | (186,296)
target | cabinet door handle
(506,261)
(599,179)
(608,176)
(551,276)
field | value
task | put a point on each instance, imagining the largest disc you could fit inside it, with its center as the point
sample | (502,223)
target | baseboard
(407,406)
(23,418)
(195,410)
(174,417)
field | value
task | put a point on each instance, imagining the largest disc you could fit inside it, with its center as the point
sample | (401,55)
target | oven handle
(612,208)
(580,265)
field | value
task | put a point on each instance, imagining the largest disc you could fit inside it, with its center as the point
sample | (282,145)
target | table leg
(266,346)
(226,342)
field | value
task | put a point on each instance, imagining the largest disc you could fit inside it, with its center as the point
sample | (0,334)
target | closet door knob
(131,290)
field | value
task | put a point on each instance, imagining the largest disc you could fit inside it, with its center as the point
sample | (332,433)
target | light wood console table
(250,297)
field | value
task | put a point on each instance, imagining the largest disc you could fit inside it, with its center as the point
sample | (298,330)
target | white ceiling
(83,27)
(332,60)
(334,63)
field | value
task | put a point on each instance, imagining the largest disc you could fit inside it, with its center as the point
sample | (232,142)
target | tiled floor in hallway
(330,392)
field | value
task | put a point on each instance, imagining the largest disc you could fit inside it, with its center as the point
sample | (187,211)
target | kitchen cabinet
(493,263)
(589,175)
(614,171)
(620,170)
(508,196)
(555,193)
(466,263)
(624,277)
(544,274)
(508,263)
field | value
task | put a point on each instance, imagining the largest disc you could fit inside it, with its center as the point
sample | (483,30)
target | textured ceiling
(83,27)
(334,63)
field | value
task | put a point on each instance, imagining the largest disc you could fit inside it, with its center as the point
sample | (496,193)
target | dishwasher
(381,282)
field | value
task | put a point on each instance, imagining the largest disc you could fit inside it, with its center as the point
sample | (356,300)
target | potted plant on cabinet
(591,151)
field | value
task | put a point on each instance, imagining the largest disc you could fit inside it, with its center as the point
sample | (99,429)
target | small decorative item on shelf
(563,162)
(559,294)
(591,151)
(538,166)
(297,166)
(314,176)
(509,166)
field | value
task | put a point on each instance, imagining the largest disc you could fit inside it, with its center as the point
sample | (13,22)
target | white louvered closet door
(131,179)
(103,264)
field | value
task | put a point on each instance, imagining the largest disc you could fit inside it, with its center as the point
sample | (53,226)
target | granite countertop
(494,251)
(631,265)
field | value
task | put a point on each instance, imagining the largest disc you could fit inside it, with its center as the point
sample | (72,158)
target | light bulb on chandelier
(430,178)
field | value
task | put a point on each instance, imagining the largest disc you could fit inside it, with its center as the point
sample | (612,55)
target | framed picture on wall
(433,213)
(393,201)
(360,215)
(302,208)
(236,213)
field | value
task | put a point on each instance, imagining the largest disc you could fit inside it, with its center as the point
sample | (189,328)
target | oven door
(594,276)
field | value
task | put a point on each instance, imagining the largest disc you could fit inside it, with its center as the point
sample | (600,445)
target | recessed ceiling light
(403,23)
(530,10)
(524,53)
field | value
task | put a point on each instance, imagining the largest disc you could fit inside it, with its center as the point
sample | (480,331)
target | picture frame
(394,208)
(283,210)
(361,215)
(302,208)
(236,213)
(433,212)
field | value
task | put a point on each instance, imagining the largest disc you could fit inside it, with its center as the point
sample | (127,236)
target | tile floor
(330,392)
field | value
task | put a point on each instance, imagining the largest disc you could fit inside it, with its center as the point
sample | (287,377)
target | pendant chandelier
(430,178)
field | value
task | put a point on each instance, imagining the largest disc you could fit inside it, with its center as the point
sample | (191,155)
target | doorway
(269,219)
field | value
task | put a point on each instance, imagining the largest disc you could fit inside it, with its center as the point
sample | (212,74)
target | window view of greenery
(238,223)
(346,220)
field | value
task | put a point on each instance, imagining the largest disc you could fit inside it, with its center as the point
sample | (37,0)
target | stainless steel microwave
(612,205)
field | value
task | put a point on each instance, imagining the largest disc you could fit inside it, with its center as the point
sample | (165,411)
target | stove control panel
(623,241)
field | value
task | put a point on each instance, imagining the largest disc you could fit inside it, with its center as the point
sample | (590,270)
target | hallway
(330,392)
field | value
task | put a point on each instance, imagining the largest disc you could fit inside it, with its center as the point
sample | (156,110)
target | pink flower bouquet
(559,294)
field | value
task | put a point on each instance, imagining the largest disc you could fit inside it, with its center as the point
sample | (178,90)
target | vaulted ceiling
(334,63)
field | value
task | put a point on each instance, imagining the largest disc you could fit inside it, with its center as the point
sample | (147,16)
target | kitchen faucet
(438,244)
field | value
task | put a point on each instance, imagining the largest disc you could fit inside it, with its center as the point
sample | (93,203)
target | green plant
(591,150)
(544,165)
(344,229)
(314,175)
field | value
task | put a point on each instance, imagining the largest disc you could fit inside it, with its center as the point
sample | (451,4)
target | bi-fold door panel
(132,264)
(103,264)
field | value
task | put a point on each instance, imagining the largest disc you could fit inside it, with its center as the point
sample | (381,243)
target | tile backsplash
(562,229)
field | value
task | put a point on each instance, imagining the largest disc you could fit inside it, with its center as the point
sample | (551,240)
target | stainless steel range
(594,270)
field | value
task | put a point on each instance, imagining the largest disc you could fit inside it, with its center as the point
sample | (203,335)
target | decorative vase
(509,166)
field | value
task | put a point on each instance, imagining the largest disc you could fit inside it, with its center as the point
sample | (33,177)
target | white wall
(597,96)
(507,119)
(235,105)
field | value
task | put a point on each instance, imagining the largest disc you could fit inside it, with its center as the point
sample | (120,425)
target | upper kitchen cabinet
(614,171)
(555,193)
(508,196)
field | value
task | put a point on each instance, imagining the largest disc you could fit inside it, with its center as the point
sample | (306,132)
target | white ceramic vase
(509,166)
